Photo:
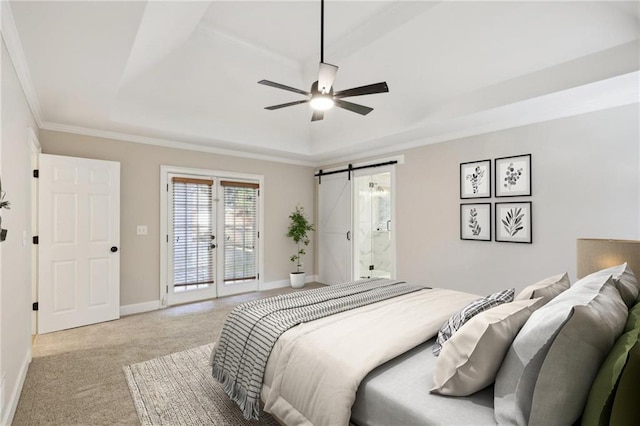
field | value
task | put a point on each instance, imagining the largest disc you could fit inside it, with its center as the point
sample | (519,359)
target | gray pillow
(547,288)
(625,281)
(465,314)
(547,373)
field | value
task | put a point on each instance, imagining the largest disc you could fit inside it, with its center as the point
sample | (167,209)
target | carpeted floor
(178,390)
(76,376)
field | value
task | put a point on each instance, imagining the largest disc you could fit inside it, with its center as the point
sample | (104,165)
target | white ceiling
(186,72)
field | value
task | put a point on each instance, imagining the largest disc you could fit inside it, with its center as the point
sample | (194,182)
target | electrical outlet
(141,230)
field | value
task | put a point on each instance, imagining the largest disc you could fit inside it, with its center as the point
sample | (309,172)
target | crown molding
(610,93)
(16,54)
(166,143)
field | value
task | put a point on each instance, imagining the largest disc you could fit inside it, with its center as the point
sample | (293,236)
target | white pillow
(547,288)
(472,356)
(457,320)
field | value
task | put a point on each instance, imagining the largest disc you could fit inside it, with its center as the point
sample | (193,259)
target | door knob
(114,249)
(213,246)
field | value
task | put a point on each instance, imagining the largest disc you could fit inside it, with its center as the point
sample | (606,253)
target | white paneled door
(79,242)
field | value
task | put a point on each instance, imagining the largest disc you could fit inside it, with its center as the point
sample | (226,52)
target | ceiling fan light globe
(321,102)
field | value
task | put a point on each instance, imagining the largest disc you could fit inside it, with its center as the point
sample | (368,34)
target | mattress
(397,394)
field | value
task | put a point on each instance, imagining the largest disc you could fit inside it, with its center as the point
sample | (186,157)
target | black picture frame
(513,176)
(475,221)
(514,222)
(475,179)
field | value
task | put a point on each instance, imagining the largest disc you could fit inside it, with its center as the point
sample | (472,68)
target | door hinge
(371,268)
(167,289)
(34,306)
(36,240)
(258,276)
(36,174)
(167,187)
(258,234)
(167,237)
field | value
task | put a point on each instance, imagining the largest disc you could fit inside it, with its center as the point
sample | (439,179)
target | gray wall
(15,255)
(586,183)
(284,187)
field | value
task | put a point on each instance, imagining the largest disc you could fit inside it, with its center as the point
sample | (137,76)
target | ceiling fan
(321,97)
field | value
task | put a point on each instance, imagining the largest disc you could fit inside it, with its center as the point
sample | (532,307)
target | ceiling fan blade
(283,87)
(360,109)
(326,76)
(363,90)
(288,104)
(317,115)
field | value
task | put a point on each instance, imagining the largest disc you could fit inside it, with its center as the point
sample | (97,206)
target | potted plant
(3,205)
(298,229)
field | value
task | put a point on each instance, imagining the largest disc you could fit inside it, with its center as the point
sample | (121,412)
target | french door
(212,236)
(192,241)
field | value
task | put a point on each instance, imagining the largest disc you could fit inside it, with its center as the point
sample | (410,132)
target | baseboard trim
(12,405)
(271,285)
(139,308)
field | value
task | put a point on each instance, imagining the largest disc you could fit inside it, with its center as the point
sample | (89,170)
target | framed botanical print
(513,176)
(475,222)
(513,222)
(475,179)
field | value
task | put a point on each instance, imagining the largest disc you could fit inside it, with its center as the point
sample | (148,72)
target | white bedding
(315,368)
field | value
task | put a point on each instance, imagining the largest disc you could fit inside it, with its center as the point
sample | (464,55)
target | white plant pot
(297,279)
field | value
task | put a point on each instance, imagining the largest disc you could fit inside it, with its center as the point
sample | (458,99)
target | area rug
(178,389)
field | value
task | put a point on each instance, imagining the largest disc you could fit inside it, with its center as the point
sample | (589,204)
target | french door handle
(348,235)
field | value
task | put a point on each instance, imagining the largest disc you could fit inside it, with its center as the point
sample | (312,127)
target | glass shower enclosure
(373,245)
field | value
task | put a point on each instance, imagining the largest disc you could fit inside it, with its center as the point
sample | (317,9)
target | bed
(374,364)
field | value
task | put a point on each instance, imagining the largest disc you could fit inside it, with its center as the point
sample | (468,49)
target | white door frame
(36,149)
(165,170)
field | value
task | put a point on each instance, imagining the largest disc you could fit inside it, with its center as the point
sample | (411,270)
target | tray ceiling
(187,72)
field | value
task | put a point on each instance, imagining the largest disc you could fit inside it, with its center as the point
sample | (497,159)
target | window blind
(192,232)
(240,230)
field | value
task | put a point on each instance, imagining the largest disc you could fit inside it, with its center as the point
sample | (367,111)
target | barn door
(79,239)
(334,229)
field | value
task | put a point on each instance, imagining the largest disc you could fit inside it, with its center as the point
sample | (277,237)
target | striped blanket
(252,328)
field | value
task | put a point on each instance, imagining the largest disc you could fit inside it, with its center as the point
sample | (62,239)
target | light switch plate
(141,230)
